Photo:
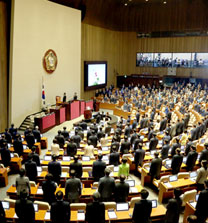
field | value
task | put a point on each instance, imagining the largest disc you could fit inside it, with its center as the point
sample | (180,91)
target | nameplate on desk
(80,215)
(64,174)
(47,216)
(39,191)
(112,214)
(168,185)
(133,190)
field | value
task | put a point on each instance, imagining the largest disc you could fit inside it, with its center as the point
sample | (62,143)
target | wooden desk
(105,105)
(16,164)
(167,192)
(67,163)
(3,177)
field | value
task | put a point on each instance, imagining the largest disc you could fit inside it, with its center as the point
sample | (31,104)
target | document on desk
(112,214)
(80,215)
(39,191)
(64,174)
(39,174)
(168,185)
(133,190)
(47,215)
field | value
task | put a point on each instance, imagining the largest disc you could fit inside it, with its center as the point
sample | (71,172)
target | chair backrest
(16,155)
(188,196)
(42,205)
(33,184)
(183,175)
(146,165)
(111,167)
(117,181)
(133,201)
(129,155)
(65,169)
(45,168)
(95,184)
(163,179)
(11,202)
(78,206)
(104,141)
(1,165)
(87,168)
(110,205)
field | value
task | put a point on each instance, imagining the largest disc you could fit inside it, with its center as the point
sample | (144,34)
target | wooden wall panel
(120,48)
(3,66)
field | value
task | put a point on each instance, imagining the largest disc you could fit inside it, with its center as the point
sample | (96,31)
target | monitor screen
(35,207)
(173,178)
(154,203)
(9,145)
(105,158)
(85,158)
(122,206)
(24,147)
(197,197)
(39,168)
(131,183)
(5,205)
(66,158)
(47,158)
(95,74)
(116,168)
(193,174)
(168,162)
(11,155)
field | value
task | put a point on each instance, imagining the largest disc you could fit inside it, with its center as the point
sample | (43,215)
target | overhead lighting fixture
(146,0)
(164,2)
(125,4)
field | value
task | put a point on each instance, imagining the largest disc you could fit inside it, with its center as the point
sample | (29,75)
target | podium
(88,113)
(46,122)
(60,115)
(66,105)
(74,109)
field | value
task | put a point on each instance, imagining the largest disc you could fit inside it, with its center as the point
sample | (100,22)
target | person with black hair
(98,168)
(202,174)
(24,208)
(139,156)
(155,167)
(60,209)
(49,188)
(65,133)
(142,209)
(123,168)
(31,169)
(54,168)
(191,158)
(71,149)
(121,190)
(18,146)
(2,214)
(176,162)
(165,149)
(77,166)
(35,157)
(192,219)
(36,133)
(30,139)
(60,139)
(95,211)
(77,138)
(114,156)
(8,136)
(125,146)
(153,142)
(204,153)
(5,155)
(22,182)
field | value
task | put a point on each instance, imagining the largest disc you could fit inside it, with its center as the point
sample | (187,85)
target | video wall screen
(186,60)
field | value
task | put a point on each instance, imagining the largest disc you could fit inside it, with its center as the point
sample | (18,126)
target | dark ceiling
(142,15)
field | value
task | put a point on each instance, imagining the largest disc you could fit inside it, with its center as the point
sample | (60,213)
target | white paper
(80,216)
(168,185)
(112,215)
(39,191)
(133,190)
(47,216)
(64,174)
(193,204)
(15,216)
(111,174)
(39,174)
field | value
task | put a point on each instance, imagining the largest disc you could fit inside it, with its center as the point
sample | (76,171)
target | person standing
(155,166)
(121,190)
(202,174)
(2,214)
(22,182)
(123,168)
(54,168)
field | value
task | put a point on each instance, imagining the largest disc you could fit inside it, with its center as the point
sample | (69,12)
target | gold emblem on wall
(50,61)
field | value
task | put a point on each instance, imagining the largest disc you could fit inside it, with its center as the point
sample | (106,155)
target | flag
(43,96)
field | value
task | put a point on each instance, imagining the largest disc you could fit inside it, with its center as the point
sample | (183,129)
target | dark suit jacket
(114,159)
(78,169)
(153,144)
(127,131)
(142,211)
(176,163)
(173,211)
(142,123)
(191,160)
(30,139)
(31,170)
(163,124)
(65,134)
(73,188)
(204,155)
(155,168)
(121,192)
(139,157)
(55,169)
(36,134)
(60,140)
(77,139)
(164,151)
(117,144)
(133,138)
(174,147)
(71,149)
(60,212)
(8,137)
(125,147)
(100,135)
(25,211)
(94,140)
(18,147)
(106,187)
(49,188)
(5,156)
(194,134)
(95,212)
(188,147)
(35,158)
(201,206)
(2,213)
(98,169)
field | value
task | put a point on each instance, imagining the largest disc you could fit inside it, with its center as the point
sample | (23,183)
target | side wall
(36,27)
(120,48)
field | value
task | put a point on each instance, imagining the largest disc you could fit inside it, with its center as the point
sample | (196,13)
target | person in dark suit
(191,159)
(93,138)
(60,209)
(176,162)
(77,166)
(24,209)
(175,146)
(49,188)
(115,144)
(65,133)
(134,136)
(201,206)
(165,149)
(194,133)
(108,129)
(139,156)
(8,136)
(5,155)
(77,138)
(31,169)
(188,146)
(114,157)
(100,133)
(155,166)
(98,168)
(142,209)
(83,125)
(60,139)
(2,214)
(64,97)
(35,157)
(18,146)
(106,186)
(192,219)
(95,211)
(142,122)
(54,168)
(125,146)
(204,153)
(71,148)
(12,130)
(153,142)
(150,134)
(73,188)
(127,130)
(163,124)
(30,139)
(36,133)
(121,190)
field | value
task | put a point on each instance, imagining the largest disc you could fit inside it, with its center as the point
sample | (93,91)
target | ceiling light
(125,4)
(164,2)
(146,0)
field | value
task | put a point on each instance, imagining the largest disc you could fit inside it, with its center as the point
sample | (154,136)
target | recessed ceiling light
(125,4)
(164,2)
(130,0)
(146,0)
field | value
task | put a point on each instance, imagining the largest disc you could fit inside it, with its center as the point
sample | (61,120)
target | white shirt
(55,149)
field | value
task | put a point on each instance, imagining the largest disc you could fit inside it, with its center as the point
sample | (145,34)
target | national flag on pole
(43,96)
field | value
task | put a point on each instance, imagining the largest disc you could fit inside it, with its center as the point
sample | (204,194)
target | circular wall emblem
(50,61)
